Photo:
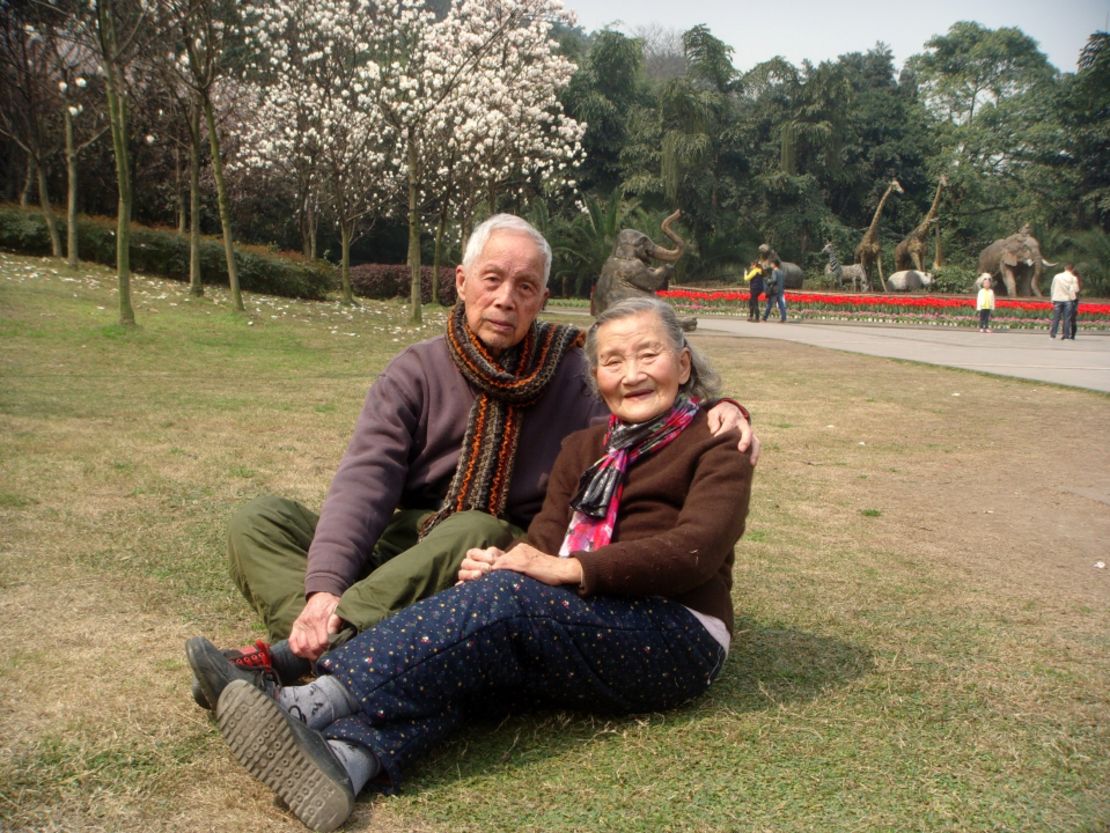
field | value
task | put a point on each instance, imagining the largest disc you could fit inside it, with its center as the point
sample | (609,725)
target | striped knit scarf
(599,491)
(506,386)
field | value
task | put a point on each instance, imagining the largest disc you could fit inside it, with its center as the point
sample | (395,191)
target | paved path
(1083,363)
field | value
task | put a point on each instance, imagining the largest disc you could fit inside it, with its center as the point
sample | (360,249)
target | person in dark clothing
(776,290)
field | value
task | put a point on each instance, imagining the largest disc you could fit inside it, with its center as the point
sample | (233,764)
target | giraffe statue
(910,253)
(869,251)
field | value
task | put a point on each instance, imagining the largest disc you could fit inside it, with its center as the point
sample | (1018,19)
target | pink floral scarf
(599,491)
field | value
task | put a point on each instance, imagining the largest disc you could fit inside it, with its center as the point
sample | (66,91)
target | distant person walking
(754,277)
(1073,308)
(984,302)
(1065,288)
(776,291)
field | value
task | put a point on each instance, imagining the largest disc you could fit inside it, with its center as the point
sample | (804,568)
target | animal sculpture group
(1015,261)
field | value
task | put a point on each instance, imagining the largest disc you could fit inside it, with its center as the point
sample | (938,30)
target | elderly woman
(618,600)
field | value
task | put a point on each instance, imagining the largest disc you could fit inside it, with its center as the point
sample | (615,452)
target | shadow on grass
(767,667)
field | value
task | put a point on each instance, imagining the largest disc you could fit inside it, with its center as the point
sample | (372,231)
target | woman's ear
(684,366)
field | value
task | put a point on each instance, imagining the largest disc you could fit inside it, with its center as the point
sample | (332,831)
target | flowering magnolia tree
(386,105)
(447,86)
(503,129)
(316,62)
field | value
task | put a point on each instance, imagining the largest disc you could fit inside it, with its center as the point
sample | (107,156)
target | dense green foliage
(796,156)
(166,253)
(793,156)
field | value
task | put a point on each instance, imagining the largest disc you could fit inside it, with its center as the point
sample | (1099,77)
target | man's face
(503,290)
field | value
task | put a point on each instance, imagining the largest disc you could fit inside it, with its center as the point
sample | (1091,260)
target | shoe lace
(253,656)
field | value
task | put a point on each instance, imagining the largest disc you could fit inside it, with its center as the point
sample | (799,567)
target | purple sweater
(405,449)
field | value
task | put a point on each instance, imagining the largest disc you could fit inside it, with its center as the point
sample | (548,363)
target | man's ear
(460,279)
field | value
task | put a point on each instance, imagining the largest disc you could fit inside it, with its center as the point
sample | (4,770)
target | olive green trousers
(268,542)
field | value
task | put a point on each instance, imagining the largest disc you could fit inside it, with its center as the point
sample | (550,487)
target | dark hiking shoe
(285,755)
(213,669)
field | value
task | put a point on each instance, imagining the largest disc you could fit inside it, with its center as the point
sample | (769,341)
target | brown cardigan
(682,511)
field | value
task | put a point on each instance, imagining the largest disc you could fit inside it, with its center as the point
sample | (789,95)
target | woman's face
(638,370)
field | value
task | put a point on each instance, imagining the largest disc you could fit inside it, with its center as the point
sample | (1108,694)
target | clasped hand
(524,559)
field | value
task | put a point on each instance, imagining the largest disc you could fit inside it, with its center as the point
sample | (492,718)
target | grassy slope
(921,645)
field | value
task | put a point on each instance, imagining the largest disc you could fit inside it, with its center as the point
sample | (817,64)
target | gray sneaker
(285,755)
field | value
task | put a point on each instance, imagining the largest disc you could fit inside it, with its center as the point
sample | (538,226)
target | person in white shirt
(1065,288)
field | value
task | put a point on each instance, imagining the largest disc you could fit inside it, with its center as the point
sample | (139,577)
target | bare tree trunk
(179,192)
(28,181)
(196,287)
(440,231)
(466,226)
(416,316)
(313,228)
(307,220)
(48,214)
(345,261)
(117,111)
(302,225)
(71,192)
(225,210)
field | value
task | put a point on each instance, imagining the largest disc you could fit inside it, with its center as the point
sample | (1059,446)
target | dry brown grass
(923,636)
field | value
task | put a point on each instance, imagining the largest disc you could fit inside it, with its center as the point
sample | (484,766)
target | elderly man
(452,450)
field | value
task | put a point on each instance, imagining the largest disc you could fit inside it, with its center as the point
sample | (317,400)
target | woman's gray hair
(505,222)
(704,383)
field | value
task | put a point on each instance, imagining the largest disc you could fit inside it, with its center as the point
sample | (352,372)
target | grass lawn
(922,627)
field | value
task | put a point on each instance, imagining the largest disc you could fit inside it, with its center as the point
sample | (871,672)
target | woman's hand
(529,561)
(477,563)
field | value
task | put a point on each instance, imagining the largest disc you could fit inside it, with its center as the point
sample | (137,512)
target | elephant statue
(1016,260)
(793,275)
(908,280)
(629,273)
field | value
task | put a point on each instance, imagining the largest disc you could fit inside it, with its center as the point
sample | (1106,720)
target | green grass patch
(934,661)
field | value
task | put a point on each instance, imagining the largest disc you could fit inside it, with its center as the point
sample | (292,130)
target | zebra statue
(854,272)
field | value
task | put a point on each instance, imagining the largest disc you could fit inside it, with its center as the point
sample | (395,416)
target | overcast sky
(823,29)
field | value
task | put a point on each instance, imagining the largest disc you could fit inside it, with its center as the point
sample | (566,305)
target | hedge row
(384,280)
(165,253)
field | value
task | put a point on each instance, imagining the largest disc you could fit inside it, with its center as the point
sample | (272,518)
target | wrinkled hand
(724,417)
(309,636)
(477,563)
(550,569)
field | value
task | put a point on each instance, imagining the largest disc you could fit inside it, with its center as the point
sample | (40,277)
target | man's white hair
(505,222)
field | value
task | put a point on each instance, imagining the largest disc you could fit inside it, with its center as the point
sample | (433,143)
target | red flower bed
(909,308)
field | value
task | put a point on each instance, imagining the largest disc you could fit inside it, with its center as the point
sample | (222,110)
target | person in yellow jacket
(984,302)
(754,276)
